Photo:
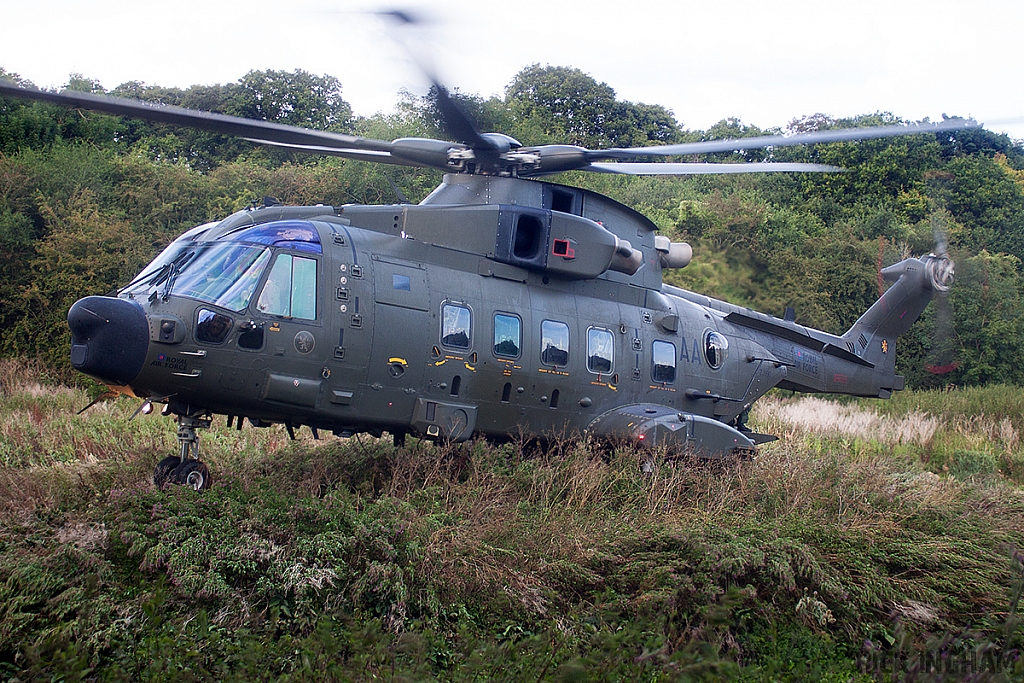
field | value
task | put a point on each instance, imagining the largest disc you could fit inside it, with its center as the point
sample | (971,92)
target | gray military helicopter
(499,305)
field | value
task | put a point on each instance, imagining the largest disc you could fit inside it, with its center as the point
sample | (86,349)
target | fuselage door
(287,330)
(401,339)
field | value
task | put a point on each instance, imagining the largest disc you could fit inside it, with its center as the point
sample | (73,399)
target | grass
(853,550)
(969,433)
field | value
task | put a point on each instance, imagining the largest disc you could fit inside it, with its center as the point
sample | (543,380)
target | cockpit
(227,270)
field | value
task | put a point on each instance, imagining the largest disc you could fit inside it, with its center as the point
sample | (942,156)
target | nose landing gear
(185,469)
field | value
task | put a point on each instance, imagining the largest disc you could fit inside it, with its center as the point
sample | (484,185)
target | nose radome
(109,338)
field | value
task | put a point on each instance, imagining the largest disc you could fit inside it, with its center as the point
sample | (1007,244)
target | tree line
(86,199)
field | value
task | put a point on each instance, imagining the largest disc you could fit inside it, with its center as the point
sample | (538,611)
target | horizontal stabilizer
(759,439)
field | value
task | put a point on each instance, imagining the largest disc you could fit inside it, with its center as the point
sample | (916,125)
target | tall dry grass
(17,374)
(983,442)
(524,518)
(816,415)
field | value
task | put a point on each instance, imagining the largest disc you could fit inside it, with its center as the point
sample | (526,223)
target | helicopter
(499,305)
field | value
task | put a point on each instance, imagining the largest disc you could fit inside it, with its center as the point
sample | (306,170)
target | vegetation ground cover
(834,554)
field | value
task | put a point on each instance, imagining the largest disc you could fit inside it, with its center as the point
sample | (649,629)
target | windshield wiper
(172,271)
(153,278)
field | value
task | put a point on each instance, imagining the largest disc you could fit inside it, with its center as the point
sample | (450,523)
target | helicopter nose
(109,338)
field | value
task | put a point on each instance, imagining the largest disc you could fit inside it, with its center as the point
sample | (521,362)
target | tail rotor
(942,356)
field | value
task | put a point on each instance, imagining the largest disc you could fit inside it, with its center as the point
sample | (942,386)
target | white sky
(764,61)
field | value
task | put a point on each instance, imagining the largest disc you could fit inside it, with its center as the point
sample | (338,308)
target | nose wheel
(185,469)
(193,474)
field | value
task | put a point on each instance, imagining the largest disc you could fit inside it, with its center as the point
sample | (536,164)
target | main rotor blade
(370,155)
(658,168)
(738,144)
(216,123)
(455,123)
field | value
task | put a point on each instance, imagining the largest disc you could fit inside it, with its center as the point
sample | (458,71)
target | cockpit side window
(290,290)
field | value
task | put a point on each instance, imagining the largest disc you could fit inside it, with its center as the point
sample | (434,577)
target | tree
(198,149)
(25,124)
(731,128)
(296,98)
(988,319)
(989,203)
(85,252)
(571,107)
(488,115)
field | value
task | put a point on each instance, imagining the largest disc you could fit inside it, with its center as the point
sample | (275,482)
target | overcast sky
(764,61)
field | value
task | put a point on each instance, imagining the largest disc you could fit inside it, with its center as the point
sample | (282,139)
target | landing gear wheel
(192,473)
(163,470)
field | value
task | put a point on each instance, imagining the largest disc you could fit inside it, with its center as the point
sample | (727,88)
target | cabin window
(554,343)
(290,291)
(508,335)
(402,283)
(599,350)
(456,326)
(663,362)
(716,348)
(212,327)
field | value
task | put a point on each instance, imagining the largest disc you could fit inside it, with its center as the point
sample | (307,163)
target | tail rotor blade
(940,232)
(942,357)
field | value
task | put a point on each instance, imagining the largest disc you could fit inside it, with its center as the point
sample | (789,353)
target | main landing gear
(185,469)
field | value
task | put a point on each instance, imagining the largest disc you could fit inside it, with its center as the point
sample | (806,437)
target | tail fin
(874,334)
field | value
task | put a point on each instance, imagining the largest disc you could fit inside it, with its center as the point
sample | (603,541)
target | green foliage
(354,560)
(989,205)
(571,107)
(488,115)
(988,319)
(247,547)
(83,252)
(36,124)
(295,98)
(997,402)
